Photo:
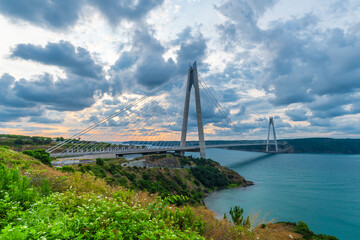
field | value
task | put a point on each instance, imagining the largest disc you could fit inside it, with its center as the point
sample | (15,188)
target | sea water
(322,190)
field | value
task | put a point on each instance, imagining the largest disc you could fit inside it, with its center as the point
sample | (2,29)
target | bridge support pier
(271,123)
(192,80)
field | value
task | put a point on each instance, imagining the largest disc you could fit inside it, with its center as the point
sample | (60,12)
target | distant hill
(312,145)
(323,145)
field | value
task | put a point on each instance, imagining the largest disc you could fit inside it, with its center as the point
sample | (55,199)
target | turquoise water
(322,190)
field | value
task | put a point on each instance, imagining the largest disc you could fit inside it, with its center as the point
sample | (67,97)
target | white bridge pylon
(193,80)
(271,124)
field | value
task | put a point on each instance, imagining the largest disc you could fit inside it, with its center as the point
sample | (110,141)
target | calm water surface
(322,190)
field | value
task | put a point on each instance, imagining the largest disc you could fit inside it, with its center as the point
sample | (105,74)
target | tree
(237,217)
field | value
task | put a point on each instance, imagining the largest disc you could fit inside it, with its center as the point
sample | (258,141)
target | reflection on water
(250,161)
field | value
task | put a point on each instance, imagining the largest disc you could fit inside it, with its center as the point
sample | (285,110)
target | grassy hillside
(40,202)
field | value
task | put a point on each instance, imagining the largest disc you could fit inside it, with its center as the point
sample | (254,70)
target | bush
(99,172)
(123,181)
(146,176)
(16,186)
(304,230)
(67,169)
(40,154)
(100,161)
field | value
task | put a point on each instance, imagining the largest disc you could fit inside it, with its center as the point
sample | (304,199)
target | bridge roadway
(119,153)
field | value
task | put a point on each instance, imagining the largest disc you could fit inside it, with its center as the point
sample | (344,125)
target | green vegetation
(40,202)
(39,154)
(67,169)
(21,143)
(38,212)
(237,218)
(13,140)
(193,183)
(324,145)
(100,161)
(30,213)
(304,230)
(312,145)
(210,177)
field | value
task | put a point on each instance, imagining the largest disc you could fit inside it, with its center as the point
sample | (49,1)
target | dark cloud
(193,48)
(320,122)
(115,10)
(329,106)
(126,60)
(229,95)
(9,114)
(14,105)
(68,94)
(58,14)
(184,35)
(63,14)
(63,54)
(297,114)
(152,71)
(8,96)
(46,120)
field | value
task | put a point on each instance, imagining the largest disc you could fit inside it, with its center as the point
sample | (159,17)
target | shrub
(304,230)
(67,169)
(130,176)
(123,181)
(146,176)
(100,161)
(16,194)
(40,154)
(99,172)
(178,200)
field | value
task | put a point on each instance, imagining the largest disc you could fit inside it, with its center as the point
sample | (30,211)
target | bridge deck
(155,150)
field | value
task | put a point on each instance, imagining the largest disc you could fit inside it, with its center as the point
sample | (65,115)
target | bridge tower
(192,80)
(271,123)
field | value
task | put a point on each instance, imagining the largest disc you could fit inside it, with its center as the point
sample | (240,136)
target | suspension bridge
(151,124)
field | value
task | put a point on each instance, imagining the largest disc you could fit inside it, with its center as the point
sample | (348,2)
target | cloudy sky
(65,64)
